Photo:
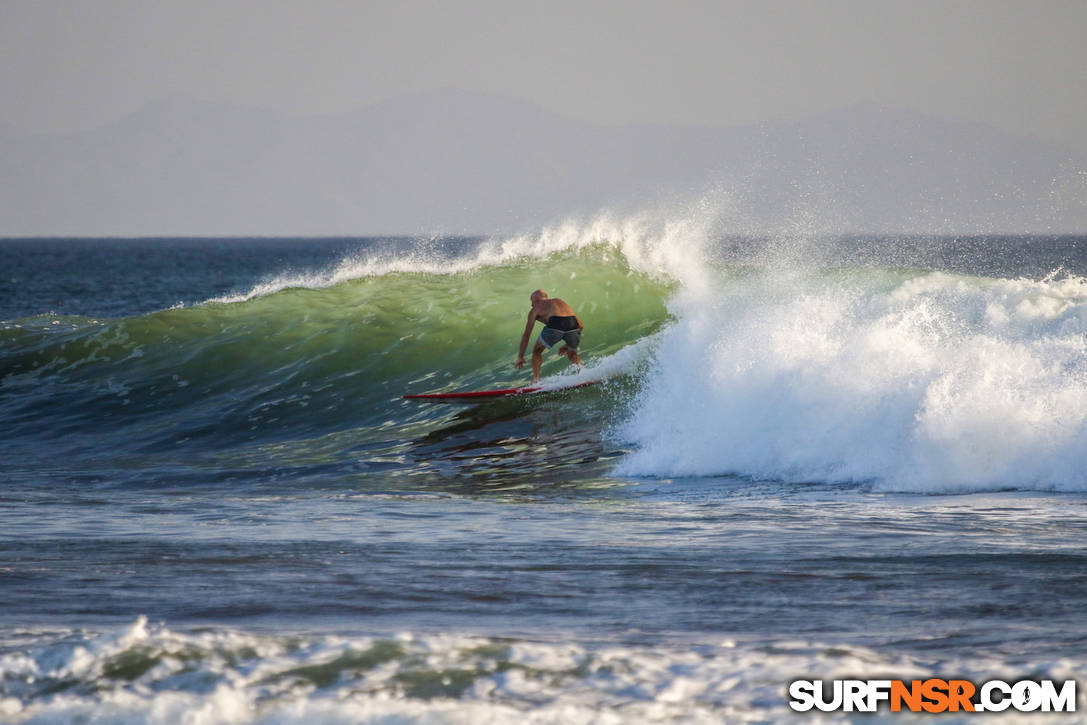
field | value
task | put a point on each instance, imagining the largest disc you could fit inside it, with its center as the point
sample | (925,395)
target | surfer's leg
(537,361)
(573,339)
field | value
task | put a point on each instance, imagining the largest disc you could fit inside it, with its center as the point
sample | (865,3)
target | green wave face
(306,362)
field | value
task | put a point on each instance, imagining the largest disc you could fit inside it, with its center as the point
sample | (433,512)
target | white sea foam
(626,361)
(926,382)
(221,676)
(653,244)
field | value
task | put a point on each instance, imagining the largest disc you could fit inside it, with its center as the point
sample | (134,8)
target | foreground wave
(152,674)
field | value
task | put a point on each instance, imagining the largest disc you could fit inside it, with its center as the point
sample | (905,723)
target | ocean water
(808,458)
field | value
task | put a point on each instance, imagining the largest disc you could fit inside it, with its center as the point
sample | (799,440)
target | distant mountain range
(465,163)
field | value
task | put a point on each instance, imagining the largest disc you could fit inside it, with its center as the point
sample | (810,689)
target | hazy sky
(1020,66)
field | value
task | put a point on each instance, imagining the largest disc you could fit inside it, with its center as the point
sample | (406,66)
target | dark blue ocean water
(213,499)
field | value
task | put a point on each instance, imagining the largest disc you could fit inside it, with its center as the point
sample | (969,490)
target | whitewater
(811,456)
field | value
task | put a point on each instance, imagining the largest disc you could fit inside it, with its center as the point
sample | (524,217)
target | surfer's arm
(525,337)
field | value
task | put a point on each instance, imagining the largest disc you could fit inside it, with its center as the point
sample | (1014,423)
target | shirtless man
(560,323)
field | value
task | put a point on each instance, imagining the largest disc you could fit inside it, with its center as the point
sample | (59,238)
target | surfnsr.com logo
(933,695)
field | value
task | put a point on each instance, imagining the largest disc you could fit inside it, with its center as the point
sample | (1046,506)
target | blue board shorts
(550,336)
(561,328)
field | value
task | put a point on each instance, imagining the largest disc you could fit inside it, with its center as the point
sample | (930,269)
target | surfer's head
(537,296)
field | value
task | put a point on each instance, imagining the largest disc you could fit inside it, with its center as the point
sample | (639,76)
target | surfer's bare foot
(570,354)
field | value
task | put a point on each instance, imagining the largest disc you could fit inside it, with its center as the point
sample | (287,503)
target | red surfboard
(481,396)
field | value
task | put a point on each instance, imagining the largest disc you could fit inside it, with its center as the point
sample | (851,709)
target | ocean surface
(808,458)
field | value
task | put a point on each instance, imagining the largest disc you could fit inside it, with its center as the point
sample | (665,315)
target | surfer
(560,323)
